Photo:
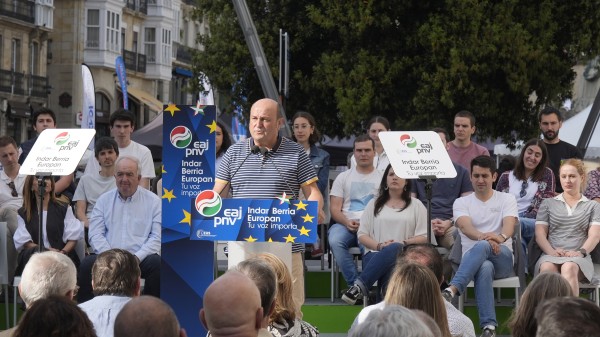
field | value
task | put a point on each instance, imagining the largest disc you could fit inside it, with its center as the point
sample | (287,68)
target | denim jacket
(320,160)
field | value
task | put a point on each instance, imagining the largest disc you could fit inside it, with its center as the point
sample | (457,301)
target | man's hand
(491,236)
(352,225)
(495,246)
(440,226)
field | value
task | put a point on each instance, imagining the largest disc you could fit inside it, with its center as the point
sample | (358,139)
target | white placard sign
(57,151)
(415,154)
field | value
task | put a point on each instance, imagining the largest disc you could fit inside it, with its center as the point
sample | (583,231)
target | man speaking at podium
(266,166)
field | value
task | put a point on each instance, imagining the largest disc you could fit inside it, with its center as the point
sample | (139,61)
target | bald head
(232,306)
(265,122)
(158,319)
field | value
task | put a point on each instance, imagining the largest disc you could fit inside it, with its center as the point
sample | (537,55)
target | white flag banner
(88,113)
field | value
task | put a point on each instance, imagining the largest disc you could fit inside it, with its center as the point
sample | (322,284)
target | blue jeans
(482,266)
(340,240)
(378,266)
(527,232)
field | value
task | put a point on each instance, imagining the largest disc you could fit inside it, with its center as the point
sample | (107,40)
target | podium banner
(253,220)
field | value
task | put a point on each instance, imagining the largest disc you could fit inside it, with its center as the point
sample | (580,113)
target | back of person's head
(122,115)
(544,286)
(284,302)
(484,161)
(45,274)
(261,273)
(424,254)
(392,321)
(105,143)
(116,272)
(43,111)
(231,306)
(54,316)
(147,316)
(414,286)
(567,317)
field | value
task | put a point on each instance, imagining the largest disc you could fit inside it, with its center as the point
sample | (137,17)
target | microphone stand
(41,181)
(428,194)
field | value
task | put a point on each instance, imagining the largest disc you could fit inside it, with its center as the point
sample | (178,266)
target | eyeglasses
(524,189)
(13,189)
(75,291)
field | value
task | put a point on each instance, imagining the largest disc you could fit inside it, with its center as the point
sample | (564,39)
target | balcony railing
(20,84)
(20,10)
(134,61)
(184,54)
(138,5)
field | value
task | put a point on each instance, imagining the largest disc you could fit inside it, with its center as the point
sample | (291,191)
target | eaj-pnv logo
(408,141)
(181,137)
(62,138)
(208,203)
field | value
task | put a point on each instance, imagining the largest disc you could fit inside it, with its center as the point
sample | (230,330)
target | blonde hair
(284,303)
(578,165)
(414,286)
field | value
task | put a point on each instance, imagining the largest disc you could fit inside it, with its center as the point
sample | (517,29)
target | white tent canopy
(572,128)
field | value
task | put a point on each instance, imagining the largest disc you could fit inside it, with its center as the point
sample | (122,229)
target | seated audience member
(61,229)
(54,316)
(376,125)
(222,143)
(122,124)
(115,280)
(522,322)
(283,321)
(232,307)
(413,286)
(394,321)
(389,222)
(11,197)
(567,317)
(46,274)
(530,182)
(90,187)
(129,218)
(147,316)
(592,189)
(351,192)
(568,228)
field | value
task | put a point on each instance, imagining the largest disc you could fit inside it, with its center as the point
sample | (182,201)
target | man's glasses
(524,189)
(13,189)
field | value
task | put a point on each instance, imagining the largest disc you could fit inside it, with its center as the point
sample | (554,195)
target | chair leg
(461,303)
(333,271)
(6,305)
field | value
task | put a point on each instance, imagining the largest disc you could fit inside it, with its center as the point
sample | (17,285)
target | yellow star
(168,194)
(304,231)
(307,218)
(283,199)
(212,126)
(250,239)
(163,169)
(290,238)
(172,108)
(270,240)
(300,205)
(187,218)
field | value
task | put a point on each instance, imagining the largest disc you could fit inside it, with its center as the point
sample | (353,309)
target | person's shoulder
(139,147)
(480,148)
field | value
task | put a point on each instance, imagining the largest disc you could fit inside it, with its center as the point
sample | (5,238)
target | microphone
(264,151)
(253,150)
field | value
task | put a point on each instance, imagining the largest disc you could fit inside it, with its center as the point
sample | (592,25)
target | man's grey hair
(47,273)
(392,320)
(133,159)
(261,273)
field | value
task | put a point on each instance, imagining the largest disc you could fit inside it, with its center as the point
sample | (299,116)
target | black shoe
(352,295)
(447,295)
(487,332)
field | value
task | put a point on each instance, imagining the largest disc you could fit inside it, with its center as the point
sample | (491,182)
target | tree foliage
(416,62)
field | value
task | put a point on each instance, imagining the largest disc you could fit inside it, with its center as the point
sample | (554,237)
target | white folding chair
(594,284)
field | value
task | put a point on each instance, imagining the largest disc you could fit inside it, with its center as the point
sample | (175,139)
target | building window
(102,114)
(35,58)
(134,43)
(15,55)
(150,44)
(113,30)
(166,46)
(123,40)
(93,29)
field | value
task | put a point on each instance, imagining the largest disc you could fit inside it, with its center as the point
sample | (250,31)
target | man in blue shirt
(128,218)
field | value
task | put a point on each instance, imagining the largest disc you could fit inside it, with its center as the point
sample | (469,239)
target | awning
(146,98)
(18,109)
(183,72)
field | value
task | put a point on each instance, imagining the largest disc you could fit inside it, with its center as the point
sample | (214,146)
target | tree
(415,62)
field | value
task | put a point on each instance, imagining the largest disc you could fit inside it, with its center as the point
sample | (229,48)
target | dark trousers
(150,268)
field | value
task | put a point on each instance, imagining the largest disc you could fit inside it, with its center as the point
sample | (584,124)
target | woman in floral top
(530,182)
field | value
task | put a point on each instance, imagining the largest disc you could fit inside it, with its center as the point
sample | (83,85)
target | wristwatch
(504,236)
(582,251)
